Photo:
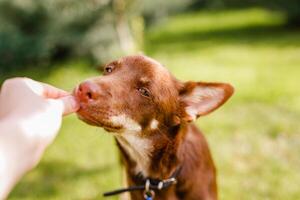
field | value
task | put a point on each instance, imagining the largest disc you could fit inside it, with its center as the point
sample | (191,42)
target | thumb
(67,104)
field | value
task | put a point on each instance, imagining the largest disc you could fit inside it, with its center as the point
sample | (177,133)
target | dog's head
(137,94)
(144,106)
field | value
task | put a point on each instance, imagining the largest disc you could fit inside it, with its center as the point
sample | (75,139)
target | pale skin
(30,118)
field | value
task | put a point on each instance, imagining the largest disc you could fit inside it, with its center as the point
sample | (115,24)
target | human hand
(30,117)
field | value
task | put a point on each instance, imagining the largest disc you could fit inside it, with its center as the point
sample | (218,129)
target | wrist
(7,177)
(11,166)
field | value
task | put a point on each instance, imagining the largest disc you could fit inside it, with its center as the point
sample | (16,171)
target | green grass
(254,138)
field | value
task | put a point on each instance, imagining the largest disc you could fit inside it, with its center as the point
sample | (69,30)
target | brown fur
(175,142)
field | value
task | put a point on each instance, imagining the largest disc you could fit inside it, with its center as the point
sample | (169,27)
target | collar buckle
(148,193)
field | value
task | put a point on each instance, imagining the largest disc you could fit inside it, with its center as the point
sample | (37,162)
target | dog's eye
(143,91)
(108,69)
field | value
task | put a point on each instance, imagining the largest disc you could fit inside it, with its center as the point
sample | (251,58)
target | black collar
(148,185)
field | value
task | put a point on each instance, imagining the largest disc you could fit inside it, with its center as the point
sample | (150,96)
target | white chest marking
(129,124)
(154,124)
(138,148)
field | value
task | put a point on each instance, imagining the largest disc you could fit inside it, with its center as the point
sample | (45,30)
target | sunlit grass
(208,21)
(254,138)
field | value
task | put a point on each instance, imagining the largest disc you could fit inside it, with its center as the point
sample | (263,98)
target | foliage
(157,10)
(290,7)
(37,31)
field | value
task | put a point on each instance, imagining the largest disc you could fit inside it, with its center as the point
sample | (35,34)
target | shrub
(38,31)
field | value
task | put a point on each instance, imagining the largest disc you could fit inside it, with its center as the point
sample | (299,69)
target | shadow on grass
(258,35)
(52,176)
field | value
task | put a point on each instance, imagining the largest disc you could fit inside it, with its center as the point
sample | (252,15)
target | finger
(65,105)
(42,89)
(70,105)
(52,92)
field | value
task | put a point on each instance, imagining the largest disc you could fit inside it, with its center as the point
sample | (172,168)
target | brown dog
(150,113)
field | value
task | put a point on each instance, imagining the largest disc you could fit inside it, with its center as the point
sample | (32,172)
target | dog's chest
(138,149)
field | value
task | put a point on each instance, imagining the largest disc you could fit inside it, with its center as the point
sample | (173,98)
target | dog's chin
(103,123)
(86,120)
(113,130)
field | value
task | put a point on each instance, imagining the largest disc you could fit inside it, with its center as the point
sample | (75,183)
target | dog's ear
(200,98)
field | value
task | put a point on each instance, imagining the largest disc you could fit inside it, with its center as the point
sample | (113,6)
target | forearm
(7,179)
(30,117)
(10,164)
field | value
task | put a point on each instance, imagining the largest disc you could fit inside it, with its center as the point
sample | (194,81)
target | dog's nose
(88,90)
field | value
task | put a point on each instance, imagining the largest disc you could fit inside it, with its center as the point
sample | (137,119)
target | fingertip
(70,105)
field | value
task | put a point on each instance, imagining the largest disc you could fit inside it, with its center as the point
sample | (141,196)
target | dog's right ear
(200,98)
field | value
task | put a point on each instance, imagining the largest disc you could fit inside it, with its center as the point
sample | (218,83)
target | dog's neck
(136,151)
(155,157)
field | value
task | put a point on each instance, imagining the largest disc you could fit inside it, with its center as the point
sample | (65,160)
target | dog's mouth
(103,121)
(95,115)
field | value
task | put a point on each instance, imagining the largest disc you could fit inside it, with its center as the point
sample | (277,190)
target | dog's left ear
(200,98)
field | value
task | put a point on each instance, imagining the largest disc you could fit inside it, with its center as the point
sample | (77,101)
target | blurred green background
(255,45)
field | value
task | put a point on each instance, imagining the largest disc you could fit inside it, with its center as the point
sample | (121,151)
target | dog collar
(149,186)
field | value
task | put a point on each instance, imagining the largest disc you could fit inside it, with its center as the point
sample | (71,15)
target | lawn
(254,138)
